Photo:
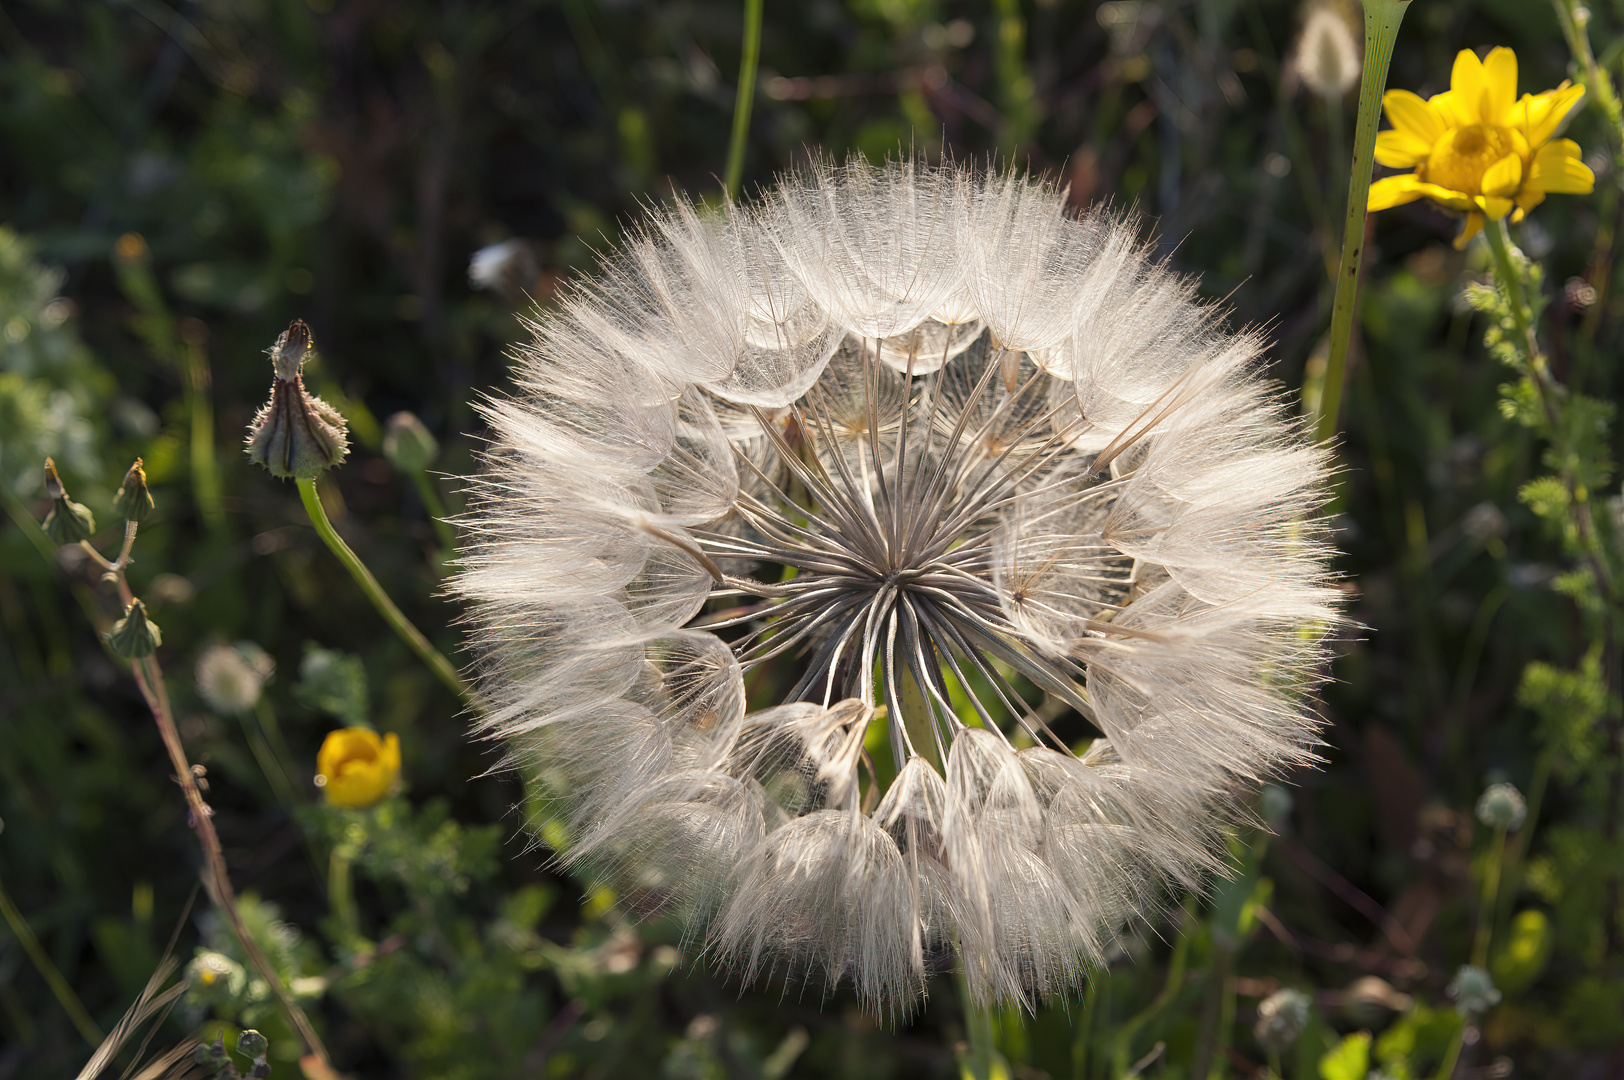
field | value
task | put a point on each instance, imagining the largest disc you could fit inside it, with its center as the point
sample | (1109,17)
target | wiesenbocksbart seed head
(821,534)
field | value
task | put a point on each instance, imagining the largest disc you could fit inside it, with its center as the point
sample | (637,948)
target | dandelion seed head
(230,678)
(905,453)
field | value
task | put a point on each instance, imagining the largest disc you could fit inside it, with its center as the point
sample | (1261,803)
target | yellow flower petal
(1492,206)
(1529,198)
(1539,116)
(1468,229)
(1391,191)
(1503,178)
(1469,83)
(1557,168)
(1399,149)
(1500,72)
(1446,197)
(1408,113)
(356,768)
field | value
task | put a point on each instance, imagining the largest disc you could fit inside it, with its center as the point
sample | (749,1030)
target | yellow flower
(355,768)
(1477,148)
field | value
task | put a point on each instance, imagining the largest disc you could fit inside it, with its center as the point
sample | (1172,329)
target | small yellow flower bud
(135,635)
(134,500)
(355,768)
(68,522)
(408,445)
(295,434)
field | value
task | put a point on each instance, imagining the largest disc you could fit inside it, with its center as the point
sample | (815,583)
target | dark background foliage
(178,180)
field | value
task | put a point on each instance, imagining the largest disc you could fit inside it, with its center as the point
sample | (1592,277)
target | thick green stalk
(60,986)
(1381,31)
(982,1060)
(748,60)
(410,634)
(1575,20)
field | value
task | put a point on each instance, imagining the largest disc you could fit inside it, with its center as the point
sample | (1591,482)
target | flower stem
(749,58)
(982,1060)
(1381,31)
(410,634)
(149,678)
(48,971)
(1575,20)
(1491,896)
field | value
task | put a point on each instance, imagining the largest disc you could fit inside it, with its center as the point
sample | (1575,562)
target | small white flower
(889,440)
(1281,1017)
(230,678)
(1502,806)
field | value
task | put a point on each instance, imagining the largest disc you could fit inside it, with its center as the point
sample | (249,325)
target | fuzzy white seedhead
(930,467)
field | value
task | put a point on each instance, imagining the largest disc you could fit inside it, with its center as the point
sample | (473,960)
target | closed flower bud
(135,635)
(1501,806)
(1472,990)
(133,501)
(408,444)
(68,522)
(355,768)
(295,434)
(251,1044)
(215,978)
(1281,1017)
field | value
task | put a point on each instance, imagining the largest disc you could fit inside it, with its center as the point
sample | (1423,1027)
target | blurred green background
(178,180)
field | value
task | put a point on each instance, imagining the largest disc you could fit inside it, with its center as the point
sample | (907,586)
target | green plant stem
(341,893)
(1598,86)
(410,634)
(200,409)
(60,986)
(1446,1068)
(1491,896)
(1519,847)
(1382,18)
(750,57)
(436,510)
(1170,989)
(982,1062)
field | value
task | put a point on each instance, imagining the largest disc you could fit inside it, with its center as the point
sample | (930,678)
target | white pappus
(969,469)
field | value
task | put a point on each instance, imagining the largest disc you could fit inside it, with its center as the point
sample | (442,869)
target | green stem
(1446,1069)
(269,764)
(982,1062)
(436,510)
(1576,28)
(1381,30)
(750,57)
(205,473)
(48,971)
(410,634)
(1491,895)
(341,893)
(1519,847)
(1170,989)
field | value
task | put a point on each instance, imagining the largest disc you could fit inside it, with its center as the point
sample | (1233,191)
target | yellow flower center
(1461,157)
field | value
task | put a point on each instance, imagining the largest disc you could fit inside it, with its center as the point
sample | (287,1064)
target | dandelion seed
(1477,148)
(1327,57)
(230,678)
(911,437)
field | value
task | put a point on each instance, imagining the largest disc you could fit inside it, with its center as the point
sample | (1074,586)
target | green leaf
(1348,1060)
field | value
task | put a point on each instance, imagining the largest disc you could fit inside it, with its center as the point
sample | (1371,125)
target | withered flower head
(295,434)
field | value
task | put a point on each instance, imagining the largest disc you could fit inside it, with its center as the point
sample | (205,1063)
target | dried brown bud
(295,434)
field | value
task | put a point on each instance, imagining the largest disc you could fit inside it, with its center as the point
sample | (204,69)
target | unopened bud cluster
(295,434)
